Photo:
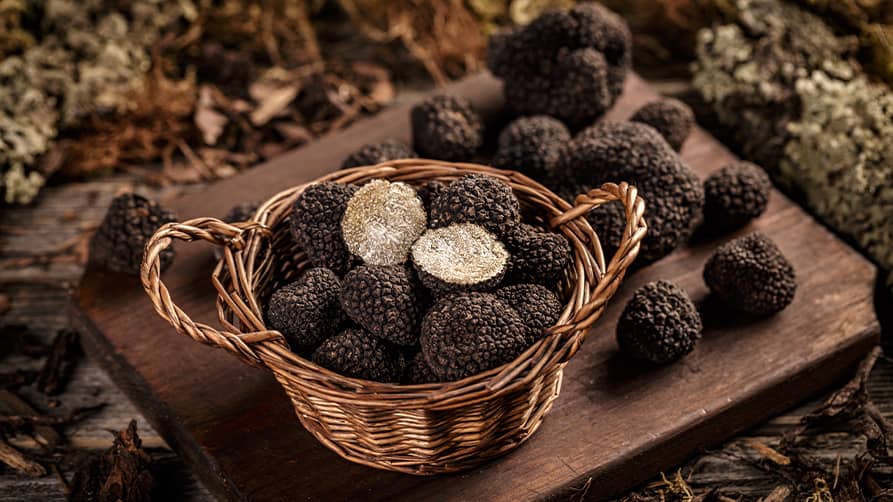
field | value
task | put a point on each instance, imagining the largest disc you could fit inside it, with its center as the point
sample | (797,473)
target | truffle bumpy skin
(570,64)
(376,153)
(357,354)
(751,274)
(384,301)
(459,258)
(241,212)
(637,154)
(308,310)
(672,118)
(381,222)
(418,372)
(465,334)
(736,194)
(659,324)
(538,256)
(538,307)
(446,128)
(119,241)
(531,145)
(479,199)
(316,224)
(429,191)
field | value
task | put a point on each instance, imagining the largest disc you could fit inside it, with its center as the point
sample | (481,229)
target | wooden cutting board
(615,424)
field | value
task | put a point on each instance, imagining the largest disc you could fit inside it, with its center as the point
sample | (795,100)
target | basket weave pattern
(419,429)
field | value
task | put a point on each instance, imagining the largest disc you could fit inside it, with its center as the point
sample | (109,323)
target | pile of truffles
(418,286)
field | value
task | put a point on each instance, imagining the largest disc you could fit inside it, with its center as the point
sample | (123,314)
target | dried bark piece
(18,461)
(59,366)
(121,474)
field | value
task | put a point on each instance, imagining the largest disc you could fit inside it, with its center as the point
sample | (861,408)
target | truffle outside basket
(418,429)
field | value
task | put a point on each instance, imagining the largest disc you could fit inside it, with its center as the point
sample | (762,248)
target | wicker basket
(419,429)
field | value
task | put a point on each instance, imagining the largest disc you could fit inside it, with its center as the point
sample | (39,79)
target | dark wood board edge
(162,418)
(714,430)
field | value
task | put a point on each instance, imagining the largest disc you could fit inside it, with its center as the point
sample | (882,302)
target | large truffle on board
(659,324)
(466,334)
(376,153)
(308,310)
(316,224)
(480,199)
(121,238)
(570,64)
(446,128)
(734,195)
(381,221)
(355,353)
(384,300)
(752,275)
(531,145)
(635,153)
(461,257)
(672,118)
(538,256)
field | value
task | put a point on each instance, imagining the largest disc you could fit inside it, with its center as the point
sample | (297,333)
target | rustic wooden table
(40,252)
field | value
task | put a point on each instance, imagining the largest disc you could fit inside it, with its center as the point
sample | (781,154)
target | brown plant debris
(19,461)
(59,366)
(121,474)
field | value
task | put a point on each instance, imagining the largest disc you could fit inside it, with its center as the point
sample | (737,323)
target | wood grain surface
(615,422)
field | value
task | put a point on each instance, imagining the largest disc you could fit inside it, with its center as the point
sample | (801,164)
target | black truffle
(672,118)
(465,334)
(635,153)
(355,353)
(538,256)
(121,238)
(316,224)
(376,153)
(308,310)
(659,324)
(538,307)
(446,128)
(459,258)
(570,64)
(384,301)
(751,274)
(241,212)
(479,199)
(734,195)
(429,191)
(531,145)
(418,372)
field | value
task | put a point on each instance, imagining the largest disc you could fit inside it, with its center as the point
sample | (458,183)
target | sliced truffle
(446,128)
(465,334)
(316,224)
(418,372)
(376,153)
(308,310)
(381,222)
(538,256)
(570,64)
(479,199)
(734,195)
(355,353)
(635,153)
(384,301)
(461,257)
(751,275)
(659,324)
(538,307)
(531,145)
(672,118)
(121,238)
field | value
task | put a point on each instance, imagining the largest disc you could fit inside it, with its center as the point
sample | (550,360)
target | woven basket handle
(215,232)
(624,256)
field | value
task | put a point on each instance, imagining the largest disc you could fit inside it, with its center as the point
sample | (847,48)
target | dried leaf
(59,366)
(19,462)
(381,90)
(273,103)
(208,120)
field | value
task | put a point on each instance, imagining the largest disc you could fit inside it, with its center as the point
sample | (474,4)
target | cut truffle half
(121,238)
(355,353)
(381,221)
(461,257)
(466,334)
(308,310)
(752,275)
(383,300)
(659,324)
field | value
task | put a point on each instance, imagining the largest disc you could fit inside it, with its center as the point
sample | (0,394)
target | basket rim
(248,337)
